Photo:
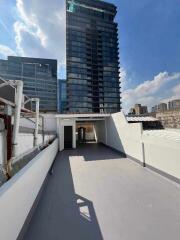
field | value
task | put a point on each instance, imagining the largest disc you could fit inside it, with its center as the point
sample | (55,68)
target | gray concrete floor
(97,194)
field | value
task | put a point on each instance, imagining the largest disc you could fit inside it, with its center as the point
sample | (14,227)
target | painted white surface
(26,140)
(100,131)
(18,195)
(117,133)
(161,147)
(49,123)
(30,123)
(25,143)
(61,123)
(162,151)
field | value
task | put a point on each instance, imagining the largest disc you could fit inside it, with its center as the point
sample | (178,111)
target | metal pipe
(37,122)
(37,119)
(18,102)
(43,130)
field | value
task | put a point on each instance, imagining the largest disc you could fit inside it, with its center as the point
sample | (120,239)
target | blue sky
(149,36)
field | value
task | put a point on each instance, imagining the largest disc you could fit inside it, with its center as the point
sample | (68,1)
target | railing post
(37,123)
(143,153)
(17,112)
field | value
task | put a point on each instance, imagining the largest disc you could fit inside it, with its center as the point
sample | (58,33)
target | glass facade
(39,77)
(62,95)
(92,57)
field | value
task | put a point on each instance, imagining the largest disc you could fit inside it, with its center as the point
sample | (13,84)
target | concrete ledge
(135,160)
(20,195)
(32,211)
(164,174)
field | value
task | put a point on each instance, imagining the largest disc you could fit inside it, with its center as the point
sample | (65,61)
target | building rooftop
(141,119)
(96,193)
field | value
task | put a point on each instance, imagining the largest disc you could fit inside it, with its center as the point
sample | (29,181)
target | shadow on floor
(95,152)
(61,213)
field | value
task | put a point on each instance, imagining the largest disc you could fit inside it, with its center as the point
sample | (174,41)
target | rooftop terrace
(96,193)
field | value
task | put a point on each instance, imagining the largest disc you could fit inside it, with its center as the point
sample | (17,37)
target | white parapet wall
(162,152)
(117,133)
(18,194)
(159,149)
(25,143)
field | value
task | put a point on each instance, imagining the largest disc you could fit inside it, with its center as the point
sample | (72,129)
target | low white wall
(162,154)
(117,133)
(18,195)
(26,141)
(159,152)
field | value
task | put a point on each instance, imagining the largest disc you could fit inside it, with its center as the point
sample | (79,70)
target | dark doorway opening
(68,137)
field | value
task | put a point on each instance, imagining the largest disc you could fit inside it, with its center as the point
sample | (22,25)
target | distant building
(154,109)
(159,108)
(139,109)
(173,105)
(162,107)
(148,122)
(39,77)
(62,100)
(132,111)
(170,118)
(169,115)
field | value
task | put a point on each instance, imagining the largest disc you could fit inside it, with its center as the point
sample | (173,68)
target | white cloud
(151,92)
(176,91)
(6,51)
(41,29)
(175,94)
(123,77)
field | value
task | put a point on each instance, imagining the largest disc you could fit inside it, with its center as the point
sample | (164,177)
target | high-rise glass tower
(92,57)
(62,95)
